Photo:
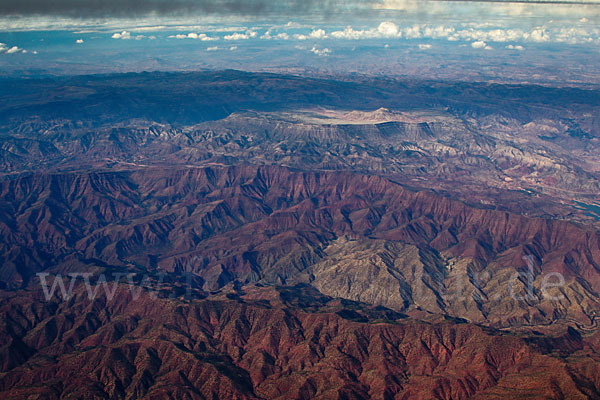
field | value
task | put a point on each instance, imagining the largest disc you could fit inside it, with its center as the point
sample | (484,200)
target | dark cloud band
(134,8)
(549,2)
(129,8)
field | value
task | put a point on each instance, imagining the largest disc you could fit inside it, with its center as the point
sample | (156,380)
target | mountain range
(298,238)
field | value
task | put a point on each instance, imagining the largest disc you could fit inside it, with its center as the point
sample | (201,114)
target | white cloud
(241,36)
(293,25)
(437,32)
(320,52)
(388,29)
(6,49)
(281,36)
(149,28)
(233,48)
(501,35)
(384,30)
(318,34)
(196,36)
(413,32)
(515,47)
(465,32)
(479,44)
(79,41)
(206,38)
(237,36)
(424,46)
(315,34)
(349,33)
(13,50)
(123,35)
(214,48)
(539,35)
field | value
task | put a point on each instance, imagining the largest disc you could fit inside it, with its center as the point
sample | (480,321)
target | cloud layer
(128,8)
(137,8)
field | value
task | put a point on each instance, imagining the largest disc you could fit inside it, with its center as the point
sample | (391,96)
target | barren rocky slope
(358,237)
(286,343)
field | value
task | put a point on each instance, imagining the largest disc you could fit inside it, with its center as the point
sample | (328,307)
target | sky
(545,41)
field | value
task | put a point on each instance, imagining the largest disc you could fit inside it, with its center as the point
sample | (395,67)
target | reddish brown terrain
(276,343)
(439,244)
(362,238)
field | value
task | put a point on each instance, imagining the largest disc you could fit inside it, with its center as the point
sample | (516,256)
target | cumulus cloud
(13,50)
(126,35)
(490,34)
(471,33)
(515,47)
(233,48)
(281,36)
(214,48)
(315,34)
(79,41)
(479,44)
(320,52)
(241,36)
(6,49)
(413,32)
(388,29)
(424,46)
(539,35)
(123,35)
(576,35)
(197,36)
(487,33)
(384,30)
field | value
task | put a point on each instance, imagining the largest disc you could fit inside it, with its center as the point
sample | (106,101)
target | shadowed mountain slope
(359,237)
